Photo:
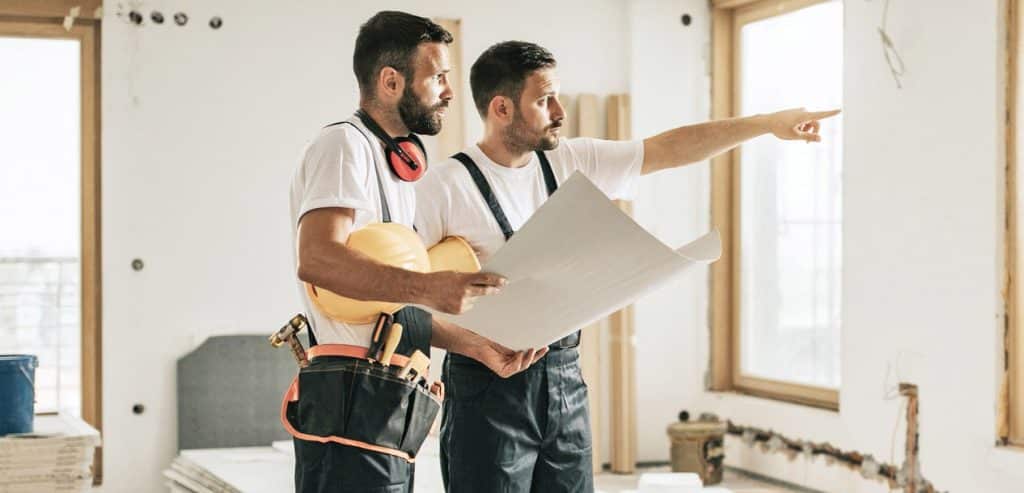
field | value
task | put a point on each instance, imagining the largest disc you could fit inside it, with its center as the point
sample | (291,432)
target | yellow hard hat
(399,246)
(388,243)
(453,253)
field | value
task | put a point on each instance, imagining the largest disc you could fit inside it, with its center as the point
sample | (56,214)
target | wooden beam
(623,387)
(571,124)
(619,119)
(92,283)
(1010,426)
(622,330)
(721,206)
(590,120)
(55,9)
(736,214)
(770,8)
(808,395)
(731,4)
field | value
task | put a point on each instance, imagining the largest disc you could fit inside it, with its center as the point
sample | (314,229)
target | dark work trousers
(526,433)
(331,467)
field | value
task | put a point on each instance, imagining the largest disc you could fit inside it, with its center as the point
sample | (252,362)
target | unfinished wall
(202,129)
(922,245)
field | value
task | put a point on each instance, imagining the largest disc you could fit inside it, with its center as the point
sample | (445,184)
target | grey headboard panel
(229,392)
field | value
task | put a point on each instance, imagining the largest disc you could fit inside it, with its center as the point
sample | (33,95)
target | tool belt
(344,398)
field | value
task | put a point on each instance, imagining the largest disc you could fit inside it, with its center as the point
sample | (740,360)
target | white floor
(732,482)
(270,469)
(428,477)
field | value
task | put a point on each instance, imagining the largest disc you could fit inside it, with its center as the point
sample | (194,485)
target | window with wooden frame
(50,183)
(776,291)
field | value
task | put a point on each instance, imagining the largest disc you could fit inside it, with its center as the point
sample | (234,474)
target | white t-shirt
(336,172)
(449,203)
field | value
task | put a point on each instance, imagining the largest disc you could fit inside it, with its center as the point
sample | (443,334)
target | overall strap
(549,176)
(385,211)
(488,193)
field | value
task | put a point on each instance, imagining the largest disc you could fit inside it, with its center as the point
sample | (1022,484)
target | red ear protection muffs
(405,155)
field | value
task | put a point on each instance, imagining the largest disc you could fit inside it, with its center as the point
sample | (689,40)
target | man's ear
(502,109)
(390,83)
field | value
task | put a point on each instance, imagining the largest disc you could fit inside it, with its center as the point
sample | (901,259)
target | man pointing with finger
(530,432)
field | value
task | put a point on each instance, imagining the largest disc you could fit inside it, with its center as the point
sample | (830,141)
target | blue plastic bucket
(17,392)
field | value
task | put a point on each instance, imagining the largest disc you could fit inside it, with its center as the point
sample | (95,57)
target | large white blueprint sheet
(578,259)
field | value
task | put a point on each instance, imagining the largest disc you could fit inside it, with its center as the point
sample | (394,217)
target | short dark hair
(390,39)
(502,70)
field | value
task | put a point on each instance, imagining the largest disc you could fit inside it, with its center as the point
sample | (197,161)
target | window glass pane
(791,201)
(40,197)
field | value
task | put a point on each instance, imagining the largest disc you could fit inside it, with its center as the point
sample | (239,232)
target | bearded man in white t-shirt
(530,432)
(351,416)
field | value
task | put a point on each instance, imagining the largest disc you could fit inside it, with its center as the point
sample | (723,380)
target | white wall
(922,245)
(201,131)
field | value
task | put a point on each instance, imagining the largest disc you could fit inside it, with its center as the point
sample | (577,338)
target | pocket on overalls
(468,382)
(576,429)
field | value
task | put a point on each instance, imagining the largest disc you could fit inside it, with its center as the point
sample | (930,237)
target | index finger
(819,115)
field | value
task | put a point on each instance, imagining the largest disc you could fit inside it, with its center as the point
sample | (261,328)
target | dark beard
(418,118)
(519,139)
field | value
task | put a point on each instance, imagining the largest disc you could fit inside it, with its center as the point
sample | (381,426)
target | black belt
(568,342)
